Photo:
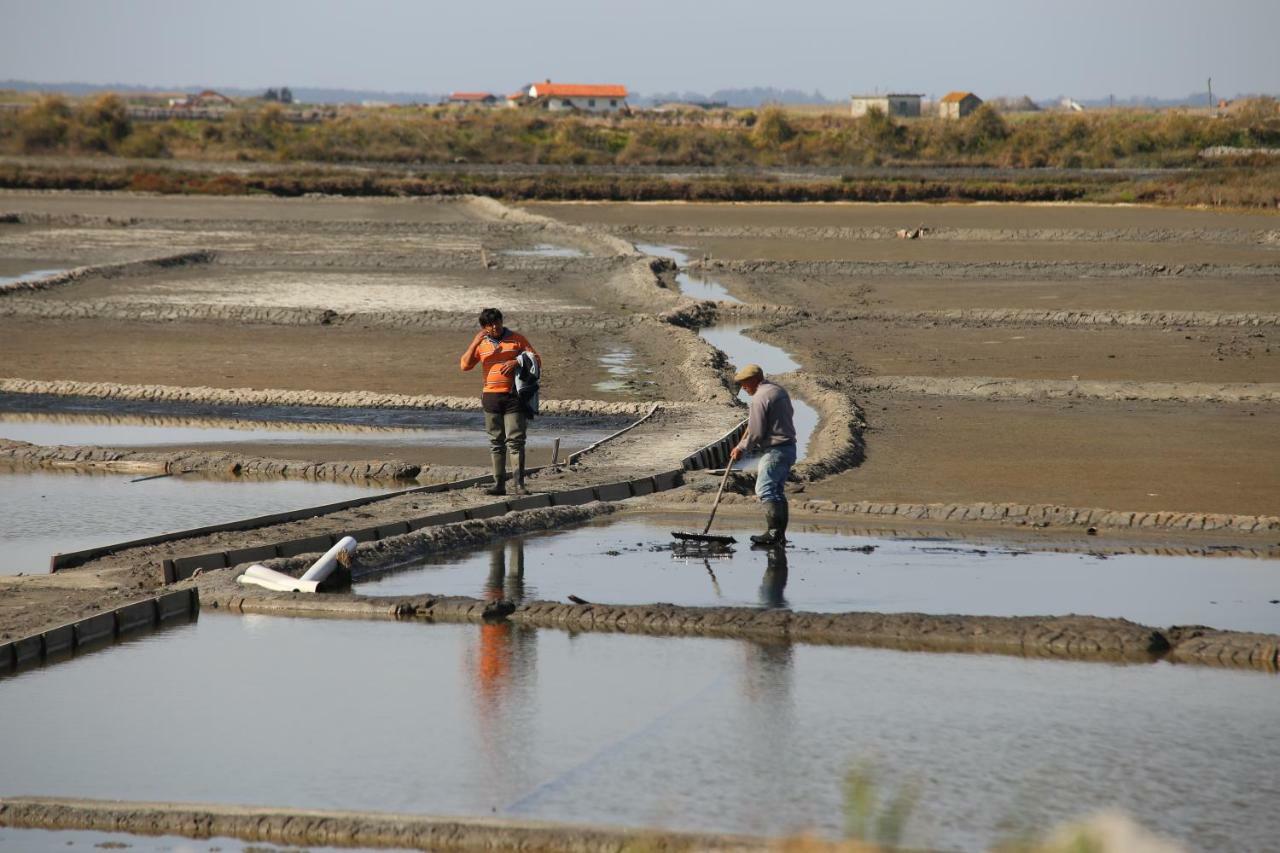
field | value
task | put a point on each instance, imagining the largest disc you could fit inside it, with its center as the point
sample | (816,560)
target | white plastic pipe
(257,575)
(324,566)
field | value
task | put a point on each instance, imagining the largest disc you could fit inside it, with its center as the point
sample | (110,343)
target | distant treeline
(722,138)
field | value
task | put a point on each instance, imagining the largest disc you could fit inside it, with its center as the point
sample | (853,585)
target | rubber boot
(517,473)
(499,486)
(776,516)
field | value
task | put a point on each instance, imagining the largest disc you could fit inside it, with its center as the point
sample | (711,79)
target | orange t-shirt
(494,356)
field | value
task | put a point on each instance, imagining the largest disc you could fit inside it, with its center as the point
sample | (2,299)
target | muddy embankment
(111,270)
(1079,637)
(1021,515)
(24,455)
(998,388)
(984,317)
(352,829)
(281,397)
(815,234)
(989,270)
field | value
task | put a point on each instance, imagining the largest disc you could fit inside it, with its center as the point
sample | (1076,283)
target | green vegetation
(772,137)
(414,143)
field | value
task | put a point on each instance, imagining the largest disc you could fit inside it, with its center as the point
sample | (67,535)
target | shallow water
(496,720)
(52,419)
(45,513)
(825,570)
(741,350)
(129,433)
(32,275)
(546,250)
(691,285)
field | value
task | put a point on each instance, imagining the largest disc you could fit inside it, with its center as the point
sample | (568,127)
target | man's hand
(507,368)
(736,453)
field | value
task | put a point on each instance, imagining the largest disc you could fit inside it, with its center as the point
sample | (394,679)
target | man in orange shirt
(495,348)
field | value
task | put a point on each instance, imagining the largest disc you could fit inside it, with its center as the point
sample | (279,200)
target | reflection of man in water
(503,667)
(774,584)
(495,637)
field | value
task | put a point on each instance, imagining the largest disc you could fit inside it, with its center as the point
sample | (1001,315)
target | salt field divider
(715,454)
(98,630)
(76,558)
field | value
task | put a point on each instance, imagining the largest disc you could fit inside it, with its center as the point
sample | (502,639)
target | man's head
(491,321)
(749,378)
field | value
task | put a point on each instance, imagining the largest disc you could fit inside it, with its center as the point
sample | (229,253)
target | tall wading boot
(517,472)
(499,486)
(776,516)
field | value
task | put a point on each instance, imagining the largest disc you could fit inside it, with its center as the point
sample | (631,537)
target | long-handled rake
(704,536)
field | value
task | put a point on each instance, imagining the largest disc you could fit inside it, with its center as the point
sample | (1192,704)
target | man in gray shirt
(772,431)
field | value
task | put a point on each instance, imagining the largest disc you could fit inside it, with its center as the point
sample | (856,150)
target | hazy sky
(1082,48)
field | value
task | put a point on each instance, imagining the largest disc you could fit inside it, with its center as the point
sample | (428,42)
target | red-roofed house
(958,104)
(571,96)
(472,99)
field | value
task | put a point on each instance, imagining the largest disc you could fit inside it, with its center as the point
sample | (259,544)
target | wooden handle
(727,468)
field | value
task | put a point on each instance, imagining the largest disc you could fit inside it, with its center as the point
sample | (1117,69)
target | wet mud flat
(867,293)
(1035,351)
(125,206)
(660,215)
(50,512)
(341,290)
(631,560)
(320,358)
(1142,456)
(723,724)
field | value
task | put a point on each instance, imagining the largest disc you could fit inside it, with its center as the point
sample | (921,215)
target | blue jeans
(775,467)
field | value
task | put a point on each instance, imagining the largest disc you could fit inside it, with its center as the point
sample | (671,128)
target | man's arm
(754,436)
(471,357)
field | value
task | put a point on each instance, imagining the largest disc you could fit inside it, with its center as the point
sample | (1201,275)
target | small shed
(896,104)
(472,99)
(958,104)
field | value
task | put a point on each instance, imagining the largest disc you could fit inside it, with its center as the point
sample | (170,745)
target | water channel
(829,569)
(49,512)
(730,338)
(705,734)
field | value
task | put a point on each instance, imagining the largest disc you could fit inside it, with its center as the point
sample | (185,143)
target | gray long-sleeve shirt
(770,418)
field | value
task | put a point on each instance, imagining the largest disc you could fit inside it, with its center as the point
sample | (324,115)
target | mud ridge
(351,828)
(112,270)
(408,548)
(982,317)
(1229,236)
(160,312)
(603,241)
(838,443)
(1000,270)
(280,397)
(996,388)
(21,454)
(1073,636)
(1035,515)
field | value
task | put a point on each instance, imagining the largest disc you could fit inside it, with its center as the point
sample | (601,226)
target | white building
(905,106)
(571,96)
